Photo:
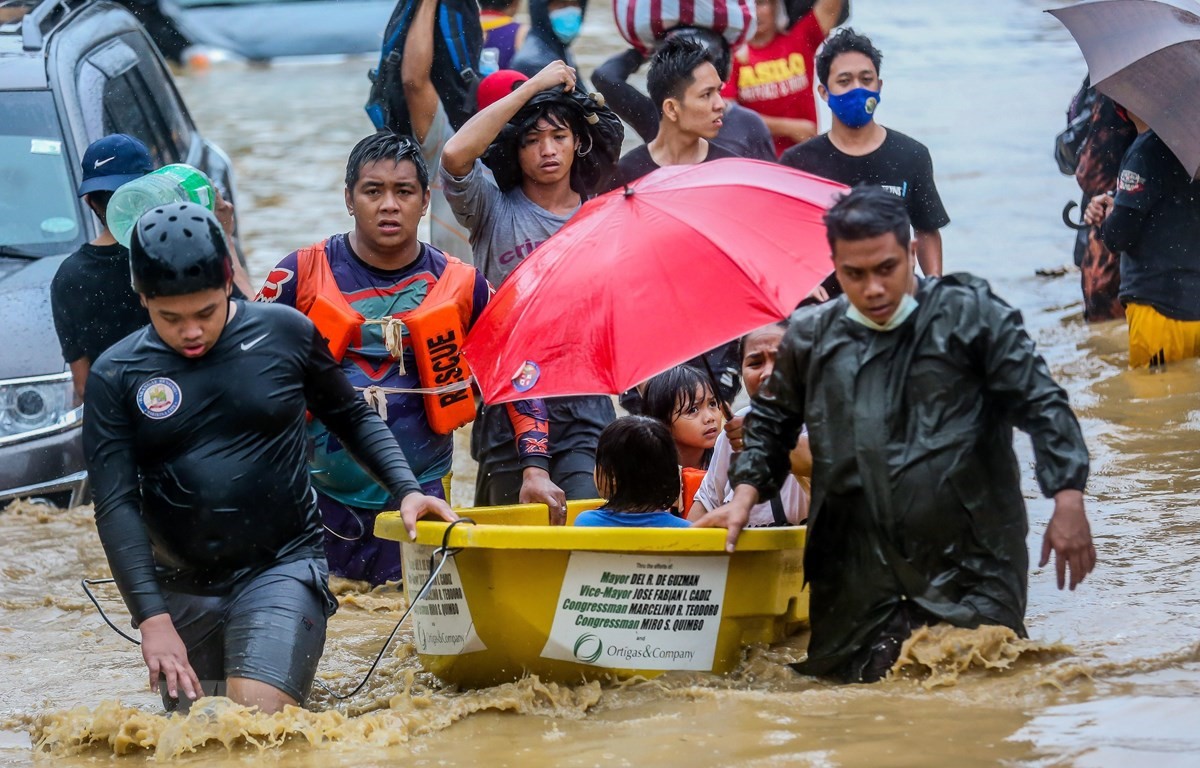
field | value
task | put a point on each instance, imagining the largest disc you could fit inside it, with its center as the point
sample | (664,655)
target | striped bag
(644,22)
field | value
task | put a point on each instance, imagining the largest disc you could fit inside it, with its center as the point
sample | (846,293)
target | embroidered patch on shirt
(159,398)
(1130,182)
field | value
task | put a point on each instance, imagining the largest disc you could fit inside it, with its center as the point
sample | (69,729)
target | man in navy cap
(93,302)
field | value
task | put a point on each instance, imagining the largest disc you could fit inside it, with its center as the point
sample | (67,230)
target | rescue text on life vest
(436,330)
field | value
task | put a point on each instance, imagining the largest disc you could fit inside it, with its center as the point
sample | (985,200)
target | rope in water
(86,584)
(444,551)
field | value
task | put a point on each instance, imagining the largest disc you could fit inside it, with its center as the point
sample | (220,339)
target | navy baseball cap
(112,161)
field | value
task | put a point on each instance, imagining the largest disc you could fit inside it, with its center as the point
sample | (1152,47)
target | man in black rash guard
(196,449)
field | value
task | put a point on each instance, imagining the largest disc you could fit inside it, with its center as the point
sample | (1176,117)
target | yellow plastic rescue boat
(570,604)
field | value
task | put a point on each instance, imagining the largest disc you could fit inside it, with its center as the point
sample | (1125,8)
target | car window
(128,108)
(117,96)
(39,212)
(167,108)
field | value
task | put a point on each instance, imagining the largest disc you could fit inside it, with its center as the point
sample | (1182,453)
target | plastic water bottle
(177,183)
(489,61)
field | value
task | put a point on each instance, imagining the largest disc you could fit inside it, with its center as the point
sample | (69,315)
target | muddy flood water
(1110,677)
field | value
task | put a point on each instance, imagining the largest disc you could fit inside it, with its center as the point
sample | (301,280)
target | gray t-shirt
(445,233)
(505,226)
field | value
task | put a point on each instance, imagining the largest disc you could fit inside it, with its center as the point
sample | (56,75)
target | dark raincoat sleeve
(634,107)
(334,401)
(776,417)
(108,444)
(1019,378)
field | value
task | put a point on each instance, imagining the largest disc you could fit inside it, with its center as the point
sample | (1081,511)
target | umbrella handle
(712,379)
(1066,217)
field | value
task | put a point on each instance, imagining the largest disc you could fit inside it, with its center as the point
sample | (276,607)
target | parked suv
(71,71)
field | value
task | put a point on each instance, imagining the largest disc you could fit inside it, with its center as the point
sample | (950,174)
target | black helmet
(177,249)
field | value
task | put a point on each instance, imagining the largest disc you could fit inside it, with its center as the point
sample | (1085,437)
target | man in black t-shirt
(686,89)
(857,150)
(93,303)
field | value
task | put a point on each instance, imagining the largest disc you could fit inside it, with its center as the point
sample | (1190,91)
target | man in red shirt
(772,74)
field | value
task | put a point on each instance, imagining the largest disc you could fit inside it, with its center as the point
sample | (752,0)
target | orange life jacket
(436,330)
(691,478)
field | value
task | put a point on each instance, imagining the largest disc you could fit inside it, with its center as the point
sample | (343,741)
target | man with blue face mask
(857,150)
(554,25)
(910,389)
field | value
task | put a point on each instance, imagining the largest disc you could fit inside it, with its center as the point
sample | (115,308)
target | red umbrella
(641,279)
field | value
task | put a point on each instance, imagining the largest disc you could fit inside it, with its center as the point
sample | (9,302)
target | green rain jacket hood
(916,491)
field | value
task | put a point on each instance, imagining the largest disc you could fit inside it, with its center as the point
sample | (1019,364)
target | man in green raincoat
(910,390)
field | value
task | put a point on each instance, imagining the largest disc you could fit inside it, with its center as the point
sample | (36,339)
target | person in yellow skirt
(1155,339)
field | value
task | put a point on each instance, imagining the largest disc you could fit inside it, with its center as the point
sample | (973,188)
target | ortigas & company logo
(588,648)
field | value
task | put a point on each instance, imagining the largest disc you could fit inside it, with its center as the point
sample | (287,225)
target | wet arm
(830,13)
(773,425)
(223,210)
(802,463)
(79,374)
(929,252)
(415,66)
(634,107)
(477,134)
(334,401)
(113,472)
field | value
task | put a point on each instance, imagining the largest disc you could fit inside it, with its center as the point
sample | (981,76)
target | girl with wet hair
(682,398)
(637,471)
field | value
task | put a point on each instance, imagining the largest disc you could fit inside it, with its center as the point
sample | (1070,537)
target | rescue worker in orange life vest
(395,311)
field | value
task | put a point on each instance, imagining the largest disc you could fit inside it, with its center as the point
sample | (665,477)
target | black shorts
(270,629)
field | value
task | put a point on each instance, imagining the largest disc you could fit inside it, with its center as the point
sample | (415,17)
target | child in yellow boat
(683,399)
(790,507)
(637,471)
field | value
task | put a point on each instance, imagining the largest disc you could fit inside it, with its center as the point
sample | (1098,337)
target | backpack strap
(777,511)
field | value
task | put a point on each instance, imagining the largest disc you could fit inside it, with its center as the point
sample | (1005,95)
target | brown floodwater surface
(1111,672)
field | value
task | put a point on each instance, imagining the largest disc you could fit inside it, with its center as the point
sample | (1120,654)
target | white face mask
(908,305)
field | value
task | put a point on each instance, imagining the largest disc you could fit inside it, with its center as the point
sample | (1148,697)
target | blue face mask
(566,23)
(854,108)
